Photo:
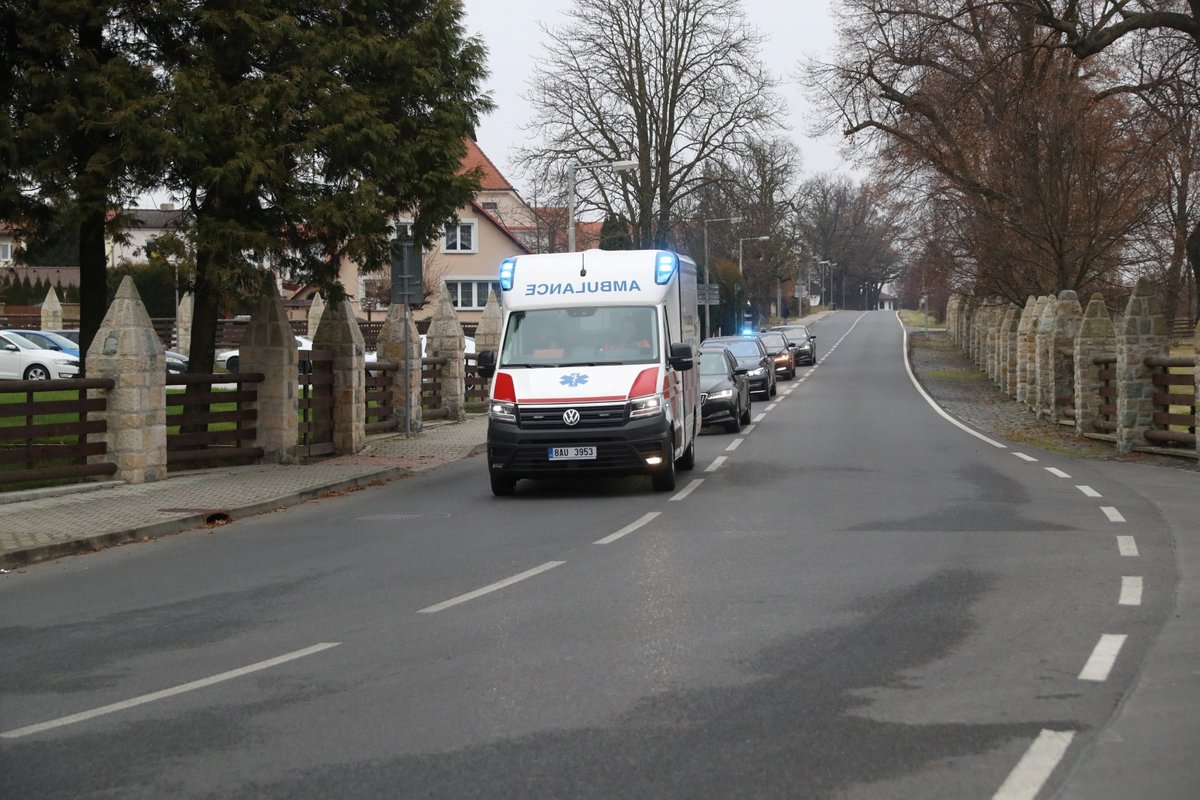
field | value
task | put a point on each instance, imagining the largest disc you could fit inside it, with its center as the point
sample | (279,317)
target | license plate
(571,453)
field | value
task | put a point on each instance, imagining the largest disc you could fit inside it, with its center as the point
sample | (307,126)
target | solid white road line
(1112,514)
(716,464)
(1089,491)
(1024,457)
(734,445)
(1103,657)
(165,693)
(691,487)
(932,403)
(748,429)
(1127,546)
(1056,472)
(463,598)
(1131,591)
(760,417)
(1035,767)
(628,529)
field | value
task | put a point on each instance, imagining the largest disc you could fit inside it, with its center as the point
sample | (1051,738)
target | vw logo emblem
(571,416)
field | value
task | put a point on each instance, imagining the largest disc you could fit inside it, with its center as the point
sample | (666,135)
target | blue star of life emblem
(574,379)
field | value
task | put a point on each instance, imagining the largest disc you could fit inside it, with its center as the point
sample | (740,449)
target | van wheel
(664,479)
(502,486)
(688,460)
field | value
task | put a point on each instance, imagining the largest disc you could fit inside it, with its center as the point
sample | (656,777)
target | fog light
(654,460)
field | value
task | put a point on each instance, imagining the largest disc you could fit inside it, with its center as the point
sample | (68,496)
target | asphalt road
(857,599)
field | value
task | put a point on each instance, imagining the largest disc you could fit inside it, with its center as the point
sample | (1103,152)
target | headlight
(645,407)
(781,359)
(66,362)
(757,373)
(724,394)
(503,412)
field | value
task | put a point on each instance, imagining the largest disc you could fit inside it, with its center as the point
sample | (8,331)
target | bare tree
(667,83)
(1037,156)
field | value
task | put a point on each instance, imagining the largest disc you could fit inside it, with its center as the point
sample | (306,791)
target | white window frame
(454,285)
(462,223)
(6,250)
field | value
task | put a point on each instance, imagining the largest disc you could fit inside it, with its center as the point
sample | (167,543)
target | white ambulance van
(595,370)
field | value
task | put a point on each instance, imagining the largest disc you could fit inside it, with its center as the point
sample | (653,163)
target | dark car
(802,340)
(779,348)
(724,390)
(751,355)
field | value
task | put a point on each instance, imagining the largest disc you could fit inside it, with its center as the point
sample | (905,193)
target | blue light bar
(664,267)
(507,267)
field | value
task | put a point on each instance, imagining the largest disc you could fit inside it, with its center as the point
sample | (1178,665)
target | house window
(5,251)
(471,295)
(459,238)
(491,206)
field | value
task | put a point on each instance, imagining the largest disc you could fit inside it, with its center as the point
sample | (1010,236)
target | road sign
(714,295)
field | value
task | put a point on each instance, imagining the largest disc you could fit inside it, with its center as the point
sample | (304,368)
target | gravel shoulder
(958,386)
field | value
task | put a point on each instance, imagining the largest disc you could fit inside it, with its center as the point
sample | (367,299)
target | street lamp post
(822,275)
(707,319)
(619,166)
(741,241)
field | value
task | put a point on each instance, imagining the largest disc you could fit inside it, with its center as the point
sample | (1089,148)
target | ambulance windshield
(560,337)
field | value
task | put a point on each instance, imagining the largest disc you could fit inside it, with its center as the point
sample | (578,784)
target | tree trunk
(1193,253)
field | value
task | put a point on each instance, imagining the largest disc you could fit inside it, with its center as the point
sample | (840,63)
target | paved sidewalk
(47,523)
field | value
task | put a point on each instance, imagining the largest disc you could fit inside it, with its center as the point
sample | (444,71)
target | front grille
(609,415)
(617,456)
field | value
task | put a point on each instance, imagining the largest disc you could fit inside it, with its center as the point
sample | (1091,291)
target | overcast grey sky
(514,41)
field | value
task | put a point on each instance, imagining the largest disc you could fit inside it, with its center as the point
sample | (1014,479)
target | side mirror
(812,337)
(12,348)
(681,357)
(487,364)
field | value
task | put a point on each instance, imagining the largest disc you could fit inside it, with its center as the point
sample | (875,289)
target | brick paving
(37,525)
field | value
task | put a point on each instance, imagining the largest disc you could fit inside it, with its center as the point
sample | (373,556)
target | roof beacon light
(665,267)
(507,267)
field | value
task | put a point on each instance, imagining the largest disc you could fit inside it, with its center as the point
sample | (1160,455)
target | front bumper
(515,452)
(716,412)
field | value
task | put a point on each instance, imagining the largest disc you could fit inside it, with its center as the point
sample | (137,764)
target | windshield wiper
(583,364)
(527,366)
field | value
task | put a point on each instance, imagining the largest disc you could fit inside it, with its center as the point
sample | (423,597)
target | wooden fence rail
(1173,409)
(1106,412)
(197,433)
(47,438)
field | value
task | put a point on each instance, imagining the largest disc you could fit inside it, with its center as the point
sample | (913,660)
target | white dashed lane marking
(716,464)
(1127,546)
(1035,767)
(1089,491)
(734,445)
(1056,472)
(1024,457)
(1131,591)
(165,693)
(748,429)
(760,417)
(628,529)
(1112,514)
(491,587)
(1103,657)
(691,487)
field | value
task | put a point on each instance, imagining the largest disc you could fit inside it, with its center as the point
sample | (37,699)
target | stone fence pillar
(1041,387)
(952,311)
(1196,348)
(1144,334)
(491,324)
(1096,337)
(995,322)
(1025,326)
(1057,379)
(184,345)
(315,309)
(269,347)
(405,399)
(338,331)
(127,350)
(445,338)
(1008,349)
(51,311)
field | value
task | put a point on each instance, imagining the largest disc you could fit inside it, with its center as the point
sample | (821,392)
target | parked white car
(228,360)
(21,359)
